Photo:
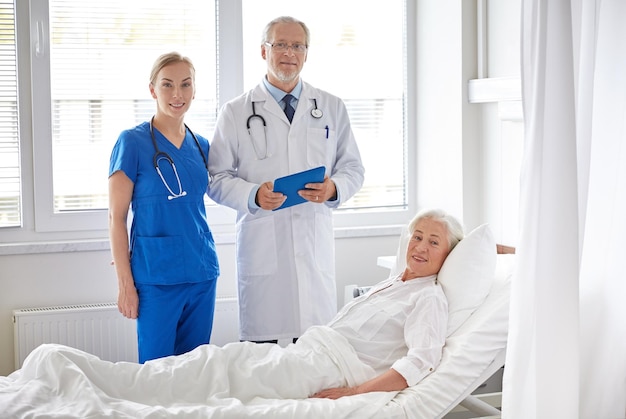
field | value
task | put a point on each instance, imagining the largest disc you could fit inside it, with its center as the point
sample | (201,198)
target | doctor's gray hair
(285,19)
(167,59)
(453,226)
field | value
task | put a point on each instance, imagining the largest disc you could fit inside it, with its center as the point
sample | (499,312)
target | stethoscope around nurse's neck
(315,113)
(162,155)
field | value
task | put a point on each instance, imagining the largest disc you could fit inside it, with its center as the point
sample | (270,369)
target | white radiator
(101,330)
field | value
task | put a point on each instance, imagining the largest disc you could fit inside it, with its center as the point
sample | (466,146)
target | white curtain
(567,336)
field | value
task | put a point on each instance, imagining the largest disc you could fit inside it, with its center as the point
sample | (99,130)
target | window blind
(10,202)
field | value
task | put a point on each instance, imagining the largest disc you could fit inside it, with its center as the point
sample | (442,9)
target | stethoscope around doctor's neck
(162,155)
(315,113)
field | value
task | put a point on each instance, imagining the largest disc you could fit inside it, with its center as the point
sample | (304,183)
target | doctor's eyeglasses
(284,47)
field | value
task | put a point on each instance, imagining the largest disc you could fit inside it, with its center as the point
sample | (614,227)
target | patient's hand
(335,393)
(391,380)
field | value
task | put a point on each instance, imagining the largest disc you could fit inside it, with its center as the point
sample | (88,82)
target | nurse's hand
(267,199)
(128,301)
(319,192)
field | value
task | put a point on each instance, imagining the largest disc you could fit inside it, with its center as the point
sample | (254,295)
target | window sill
(223,238)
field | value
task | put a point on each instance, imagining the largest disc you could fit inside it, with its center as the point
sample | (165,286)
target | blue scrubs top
(170,240)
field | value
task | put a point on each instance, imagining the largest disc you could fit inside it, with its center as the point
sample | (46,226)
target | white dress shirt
(397,324)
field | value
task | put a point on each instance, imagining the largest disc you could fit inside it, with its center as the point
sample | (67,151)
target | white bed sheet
(71,385)
(61,382)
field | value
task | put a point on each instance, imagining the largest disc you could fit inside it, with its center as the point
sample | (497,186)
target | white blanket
(239,380)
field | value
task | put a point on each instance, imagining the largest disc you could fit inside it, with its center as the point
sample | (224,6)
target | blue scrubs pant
(174,319)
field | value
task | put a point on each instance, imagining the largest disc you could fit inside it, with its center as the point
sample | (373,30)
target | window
(359,57)
(100,60)
(10,213)
(90,63)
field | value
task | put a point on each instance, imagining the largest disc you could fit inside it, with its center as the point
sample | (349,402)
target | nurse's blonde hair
(167,59)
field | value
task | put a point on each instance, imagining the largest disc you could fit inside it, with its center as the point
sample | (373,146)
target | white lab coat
(285,258)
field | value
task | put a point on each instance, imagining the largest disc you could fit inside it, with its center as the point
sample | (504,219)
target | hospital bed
(75,384)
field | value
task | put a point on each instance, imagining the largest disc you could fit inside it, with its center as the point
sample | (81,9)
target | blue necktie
(289,110)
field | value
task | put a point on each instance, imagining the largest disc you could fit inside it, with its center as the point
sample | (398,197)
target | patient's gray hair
(454,227)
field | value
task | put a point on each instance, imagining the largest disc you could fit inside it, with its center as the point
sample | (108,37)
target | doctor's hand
(267,199)
(319,192)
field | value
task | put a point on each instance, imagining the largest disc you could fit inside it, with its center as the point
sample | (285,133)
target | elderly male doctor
(285,257)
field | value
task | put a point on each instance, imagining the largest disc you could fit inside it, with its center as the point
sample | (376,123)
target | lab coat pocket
(324,249)
(321,147)
(158,260)
(256,247)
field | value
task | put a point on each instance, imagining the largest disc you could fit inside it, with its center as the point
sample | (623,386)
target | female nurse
(167,269)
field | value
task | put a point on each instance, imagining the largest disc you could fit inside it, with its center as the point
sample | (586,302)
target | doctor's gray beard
(286,77)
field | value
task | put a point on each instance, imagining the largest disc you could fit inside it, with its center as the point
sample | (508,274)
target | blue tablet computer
(290,185)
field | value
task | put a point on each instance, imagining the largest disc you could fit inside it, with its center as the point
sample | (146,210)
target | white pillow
(467,274)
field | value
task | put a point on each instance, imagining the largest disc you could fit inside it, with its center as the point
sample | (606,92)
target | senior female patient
(388,339)
(399,327)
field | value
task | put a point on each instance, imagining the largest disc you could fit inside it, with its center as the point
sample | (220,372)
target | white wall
(468,159)
(469,122)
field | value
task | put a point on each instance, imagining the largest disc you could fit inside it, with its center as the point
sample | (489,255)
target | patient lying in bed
(399,327)
(390,338)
